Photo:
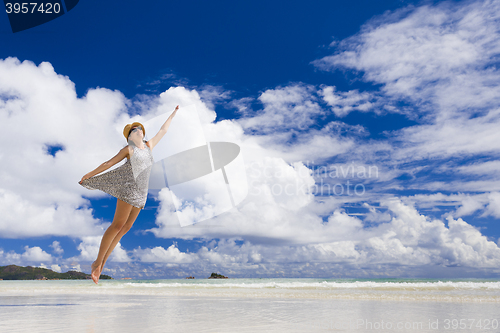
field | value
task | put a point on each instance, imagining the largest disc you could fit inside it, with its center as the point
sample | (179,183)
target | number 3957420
(33,7)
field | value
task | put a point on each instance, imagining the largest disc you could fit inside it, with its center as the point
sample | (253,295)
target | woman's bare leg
(122,213)
(128,224)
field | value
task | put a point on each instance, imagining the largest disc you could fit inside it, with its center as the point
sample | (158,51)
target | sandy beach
(247,305)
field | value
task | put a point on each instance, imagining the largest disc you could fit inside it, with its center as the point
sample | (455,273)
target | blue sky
(314,94)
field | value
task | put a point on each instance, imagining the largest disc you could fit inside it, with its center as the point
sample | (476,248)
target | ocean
(251,305)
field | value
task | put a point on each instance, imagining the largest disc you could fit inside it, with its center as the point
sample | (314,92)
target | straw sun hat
(128,127)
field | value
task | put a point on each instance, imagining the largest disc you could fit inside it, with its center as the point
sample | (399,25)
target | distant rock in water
(217,276)
(190,277)
(13,272)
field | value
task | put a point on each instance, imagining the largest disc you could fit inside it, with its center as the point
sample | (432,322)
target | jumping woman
(128,183)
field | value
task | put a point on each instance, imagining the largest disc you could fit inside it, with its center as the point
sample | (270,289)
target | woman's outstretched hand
(84,178)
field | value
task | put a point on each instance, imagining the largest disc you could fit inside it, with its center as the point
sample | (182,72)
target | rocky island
(217,276)
(13,272)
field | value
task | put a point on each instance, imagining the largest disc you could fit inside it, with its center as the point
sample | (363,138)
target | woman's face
(136,132)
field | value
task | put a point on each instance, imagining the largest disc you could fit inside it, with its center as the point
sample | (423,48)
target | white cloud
(285,108)
(437,53)
(56,268)
(243,105)
(77,268)
(89,248)
(25,218)
(493,207)
(469,205)
(35,253)
(343,102)
(212,95)
(10,258)
(490,168)
(159,254)
(453,138)
(440,59)
(56,246)
(32,256)
(119,254)
(276,209)
(404,244)
(39,192)
(408,238)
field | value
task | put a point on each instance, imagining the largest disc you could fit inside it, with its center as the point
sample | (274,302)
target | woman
(128,183)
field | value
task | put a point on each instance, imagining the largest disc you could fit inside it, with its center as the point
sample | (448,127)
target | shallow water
(250,305)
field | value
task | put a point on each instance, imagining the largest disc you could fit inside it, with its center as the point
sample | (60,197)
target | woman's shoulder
(127,150)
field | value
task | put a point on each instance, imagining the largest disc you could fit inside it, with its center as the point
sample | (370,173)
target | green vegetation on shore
(13,272)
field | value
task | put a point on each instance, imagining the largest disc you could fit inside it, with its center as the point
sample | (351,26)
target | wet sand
(44,307)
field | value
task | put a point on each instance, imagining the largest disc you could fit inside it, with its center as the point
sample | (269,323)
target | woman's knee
(125,228)
(123,225)
(117,225)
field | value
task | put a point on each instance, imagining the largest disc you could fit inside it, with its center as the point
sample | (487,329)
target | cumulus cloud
(30,256)
(290,232)
(159,254)
(59,138)
(35,254)
(56,268)
(275,210)
(39,192)
(25,218)
(407,240)
(89,248)
(56,246)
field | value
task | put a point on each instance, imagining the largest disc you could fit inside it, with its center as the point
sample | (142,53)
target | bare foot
(96,272)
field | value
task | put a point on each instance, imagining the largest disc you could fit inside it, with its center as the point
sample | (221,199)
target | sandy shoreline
(52,306)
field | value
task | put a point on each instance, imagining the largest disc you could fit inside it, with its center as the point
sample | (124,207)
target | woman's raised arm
(163,130)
